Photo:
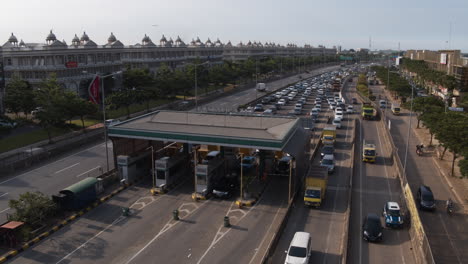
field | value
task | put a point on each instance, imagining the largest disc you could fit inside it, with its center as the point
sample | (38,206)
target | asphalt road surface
(447,234)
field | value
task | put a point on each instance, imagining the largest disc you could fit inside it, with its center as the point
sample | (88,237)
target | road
(326,224)
(448,235)
(52,177)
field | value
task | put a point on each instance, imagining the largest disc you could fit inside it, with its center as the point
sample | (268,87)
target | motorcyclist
(419,149)
(449,204)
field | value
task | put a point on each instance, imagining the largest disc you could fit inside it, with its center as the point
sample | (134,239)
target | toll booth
(209,171)
(170,169)
(132,167)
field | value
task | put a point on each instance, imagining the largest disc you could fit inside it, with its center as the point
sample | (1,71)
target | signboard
(71,64)
(456,109)
(345,58)
(443,58)
(93,90)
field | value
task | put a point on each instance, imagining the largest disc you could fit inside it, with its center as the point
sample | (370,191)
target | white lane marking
(50,164)
(4,210)
(3,194)
(171,223)
(263,240)
(87,171)
(67,168)
(120,218)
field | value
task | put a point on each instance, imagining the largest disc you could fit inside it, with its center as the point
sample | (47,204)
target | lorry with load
(368,152)
(395,109)
(336,84)
(368,111)
(315,186)
(329,135)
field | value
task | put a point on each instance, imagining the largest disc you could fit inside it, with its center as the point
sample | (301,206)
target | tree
(464,166)
(431,118)
(32,208)
(123,98)
(50,97)
(421,104)
(84,108)
(19,96)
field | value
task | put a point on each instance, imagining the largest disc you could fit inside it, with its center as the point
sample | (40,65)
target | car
(372,228)
(297,110)
(350,109)
(339,115)
(392,215)
(265,100)
(258,108)
(425,198)
(7,123)
(354,100)
(318,107)
(278,95)
(298,105)
(383,104)
(337,122)
(290,97)
(248,162)
(269,111)
(282,102)
(327,150)
(328,161)
(225,188)
(36,110)
(111,122)
(332,105)
(299,250)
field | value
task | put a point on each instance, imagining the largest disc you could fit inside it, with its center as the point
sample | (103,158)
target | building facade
(450,62)
(76,64)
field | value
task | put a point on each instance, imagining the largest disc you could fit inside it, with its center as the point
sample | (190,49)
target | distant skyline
(415,24)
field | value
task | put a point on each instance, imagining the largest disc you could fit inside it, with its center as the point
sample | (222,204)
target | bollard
(175,214)
(226,221)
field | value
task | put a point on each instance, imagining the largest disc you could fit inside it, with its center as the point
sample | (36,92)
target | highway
(326,225)
(448,235)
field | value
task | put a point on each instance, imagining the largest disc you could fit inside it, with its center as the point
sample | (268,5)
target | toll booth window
(201,180)
(160,174)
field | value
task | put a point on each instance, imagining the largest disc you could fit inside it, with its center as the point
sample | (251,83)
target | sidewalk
(458,185)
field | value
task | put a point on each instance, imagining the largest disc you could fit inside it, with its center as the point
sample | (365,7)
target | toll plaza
(210,149)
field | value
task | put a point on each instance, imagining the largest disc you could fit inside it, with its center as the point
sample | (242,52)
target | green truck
(368,111)
(315,186)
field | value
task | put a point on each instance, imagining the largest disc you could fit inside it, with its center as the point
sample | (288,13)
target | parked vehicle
(372,228)
(315,186)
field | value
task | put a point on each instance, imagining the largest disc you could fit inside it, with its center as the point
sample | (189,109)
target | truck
(261,87)
(336,85)
(395,109)
(315,186)
(368,111)
(329,135)
(368,152)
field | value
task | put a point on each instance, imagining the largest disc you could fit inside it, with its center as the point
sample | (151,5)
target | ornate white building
(35,61)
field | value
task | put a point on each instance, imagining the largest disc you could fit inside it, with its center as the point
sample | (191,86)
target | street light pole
(241,175)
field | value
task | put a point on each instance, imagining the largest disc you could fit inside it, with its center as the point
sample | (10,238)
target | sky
(415,24)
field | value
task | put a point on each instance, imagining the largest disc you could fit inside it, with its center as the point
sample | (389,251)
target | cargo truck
(328,135)
(261,87)
(368,111)
(368,152)
(395,109)
(315,186)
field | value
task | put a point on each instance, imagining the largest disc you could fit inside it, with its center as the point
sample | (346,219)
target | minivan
(299,250)
(383,104)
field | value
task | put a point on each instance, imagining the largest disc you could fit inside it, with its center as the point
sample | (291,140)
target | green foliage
(464,166)
(19,96)
(428,76)
(32,208)
(394,82)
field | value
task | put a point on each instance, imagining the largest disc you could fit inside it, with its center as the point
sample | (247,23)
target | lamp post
(241,176)
(196,86)
(102,77)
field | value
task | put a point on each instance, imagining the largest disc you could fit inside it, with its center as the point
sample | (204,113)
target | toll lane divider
(68,220)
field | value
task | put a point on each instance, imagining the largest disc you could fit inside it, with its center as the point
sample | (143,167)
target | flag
(93,90)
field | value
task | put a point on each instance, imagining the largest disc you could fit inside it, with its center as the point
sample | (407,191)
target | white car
(337,122)
(339,115)
(350,109)
(278,95)
(282,102)
(318,107)
(298,105)
(332,105)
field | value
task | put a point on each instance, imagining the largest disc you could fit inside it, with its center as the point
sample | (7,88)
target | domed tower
(84,38)
(13,40)
(111,38)
(75,41)
(50,38)
(163,41)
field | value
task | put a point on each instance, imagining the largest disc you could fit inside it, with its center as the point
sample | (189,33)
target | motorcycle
(419,150)
(449,206)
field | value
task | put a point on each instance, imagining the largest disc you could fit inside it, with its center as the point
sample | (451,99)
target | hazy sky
(416,24)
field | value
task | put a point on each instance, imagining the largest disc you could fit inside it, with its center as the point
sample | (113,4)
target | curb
(63,223)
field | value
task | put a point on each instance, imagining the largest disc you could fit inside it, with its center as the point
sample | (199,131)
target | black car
(425,198)
(354,100)
(224,188)
(266,100)
(372,228)
(326,150)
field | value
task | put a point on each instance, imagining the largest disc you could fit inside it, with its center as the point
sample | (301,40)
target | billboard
(443,58)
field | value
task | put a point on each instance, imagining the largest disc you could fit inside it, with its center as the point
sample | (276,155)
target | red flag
(93,90)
